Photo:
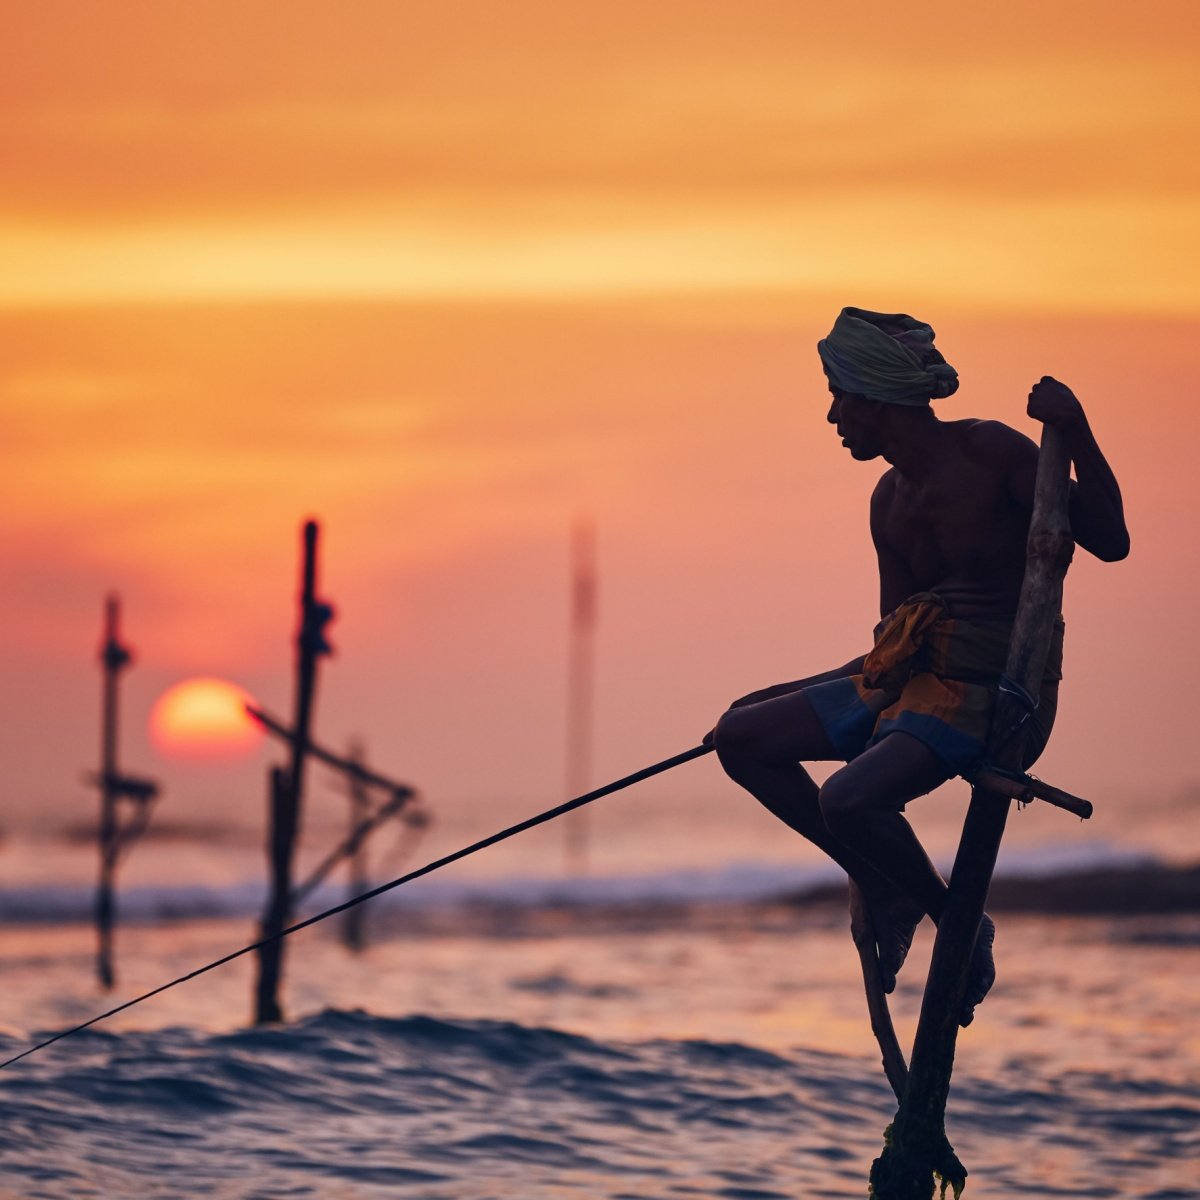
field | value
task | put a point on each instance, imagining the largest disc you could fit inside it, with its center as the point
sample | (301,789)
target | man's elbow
(1112,549)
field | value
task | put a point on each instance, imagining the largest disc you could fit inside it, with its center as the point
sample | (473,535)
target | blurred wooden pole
(114,658)
(581,656)
(280,846)
(917,1147)
(287,787)
(353,930)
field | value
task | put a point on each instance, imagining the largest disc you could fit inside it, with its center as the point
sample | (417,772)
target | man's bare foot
(895,917)
(983,971)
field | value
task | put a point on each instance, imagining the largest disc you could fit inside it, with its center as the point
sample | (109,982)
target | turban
(888,357)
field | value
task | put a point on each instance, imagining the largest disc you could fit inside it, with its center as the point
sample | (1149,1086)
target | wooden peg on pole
(917,1148)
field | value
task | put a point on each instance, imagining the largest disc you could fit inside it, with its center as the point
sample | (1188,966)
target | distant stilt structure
(581,655)
(287,785)
(400,801)
(353,932)
(113,836)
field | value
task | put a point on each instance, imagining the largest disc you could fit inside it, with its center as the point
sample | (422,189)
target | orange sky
(231,150)
(447,275)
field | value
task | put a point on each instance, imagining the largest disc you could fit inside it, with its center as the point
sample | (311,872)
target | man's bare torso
(959,526)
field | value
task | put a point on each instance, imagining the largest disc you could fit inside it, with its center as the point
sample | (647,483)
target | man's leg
(861,806)
(761,746)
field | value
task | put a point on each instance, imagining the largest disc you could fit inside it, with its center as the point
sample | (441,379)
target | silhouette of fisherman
(950,521)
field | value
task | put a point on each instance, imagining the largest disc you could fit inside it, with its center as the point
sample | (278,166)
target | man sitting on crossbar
(950,521)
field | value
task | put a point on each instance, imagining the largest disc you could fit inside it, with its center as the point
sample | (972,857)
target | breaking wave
(733,883)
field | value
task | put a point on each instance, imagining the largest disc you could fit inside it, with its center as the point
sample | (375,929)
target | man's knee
(738,739)
(843,801)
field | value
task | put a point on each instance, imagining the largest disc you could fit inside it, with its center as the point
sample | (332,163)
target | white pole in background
(581,654)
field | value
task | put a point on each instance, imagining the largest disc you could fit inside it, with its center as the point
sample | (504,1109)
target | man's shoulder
(886,486)
(992,440)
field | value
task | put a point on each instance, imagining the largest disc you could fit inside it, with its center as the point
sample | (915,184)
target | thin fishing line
(475,847)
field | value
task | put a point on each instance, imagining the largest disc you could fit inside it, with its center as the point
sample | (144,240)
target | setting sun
(203,718)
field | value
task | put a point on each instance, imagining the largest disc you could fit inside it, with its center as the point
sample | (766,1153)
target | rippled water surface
(720,1053)
(348,1104)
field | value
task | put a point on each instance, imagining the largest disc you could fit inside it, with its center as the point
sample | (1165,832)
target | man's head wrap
(887,357)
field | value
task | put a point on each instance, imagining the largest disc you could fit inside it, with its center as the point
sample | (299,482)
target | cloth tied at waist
(899,637)
(934,677)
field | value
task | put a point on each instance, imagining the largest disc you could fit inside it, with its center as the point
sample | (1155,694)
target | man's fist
(1054,403)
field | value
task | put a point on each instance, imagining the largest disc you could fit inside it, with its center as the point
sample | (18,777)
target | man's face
(858,425)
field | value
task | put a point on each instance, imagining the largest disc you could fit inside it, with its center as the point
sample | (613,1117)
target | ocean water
(514,1044)
(674,1023)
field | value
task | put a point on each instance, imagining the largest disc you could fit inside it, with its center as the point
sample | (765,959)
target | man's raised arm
(1097,514)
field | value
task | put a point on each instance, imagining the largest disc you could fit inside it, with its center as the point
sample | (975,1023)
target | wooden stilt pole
(114,837)
(287,787)
(916,1147)
(863,933)
(114,658)
(353,931)
(280,846)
